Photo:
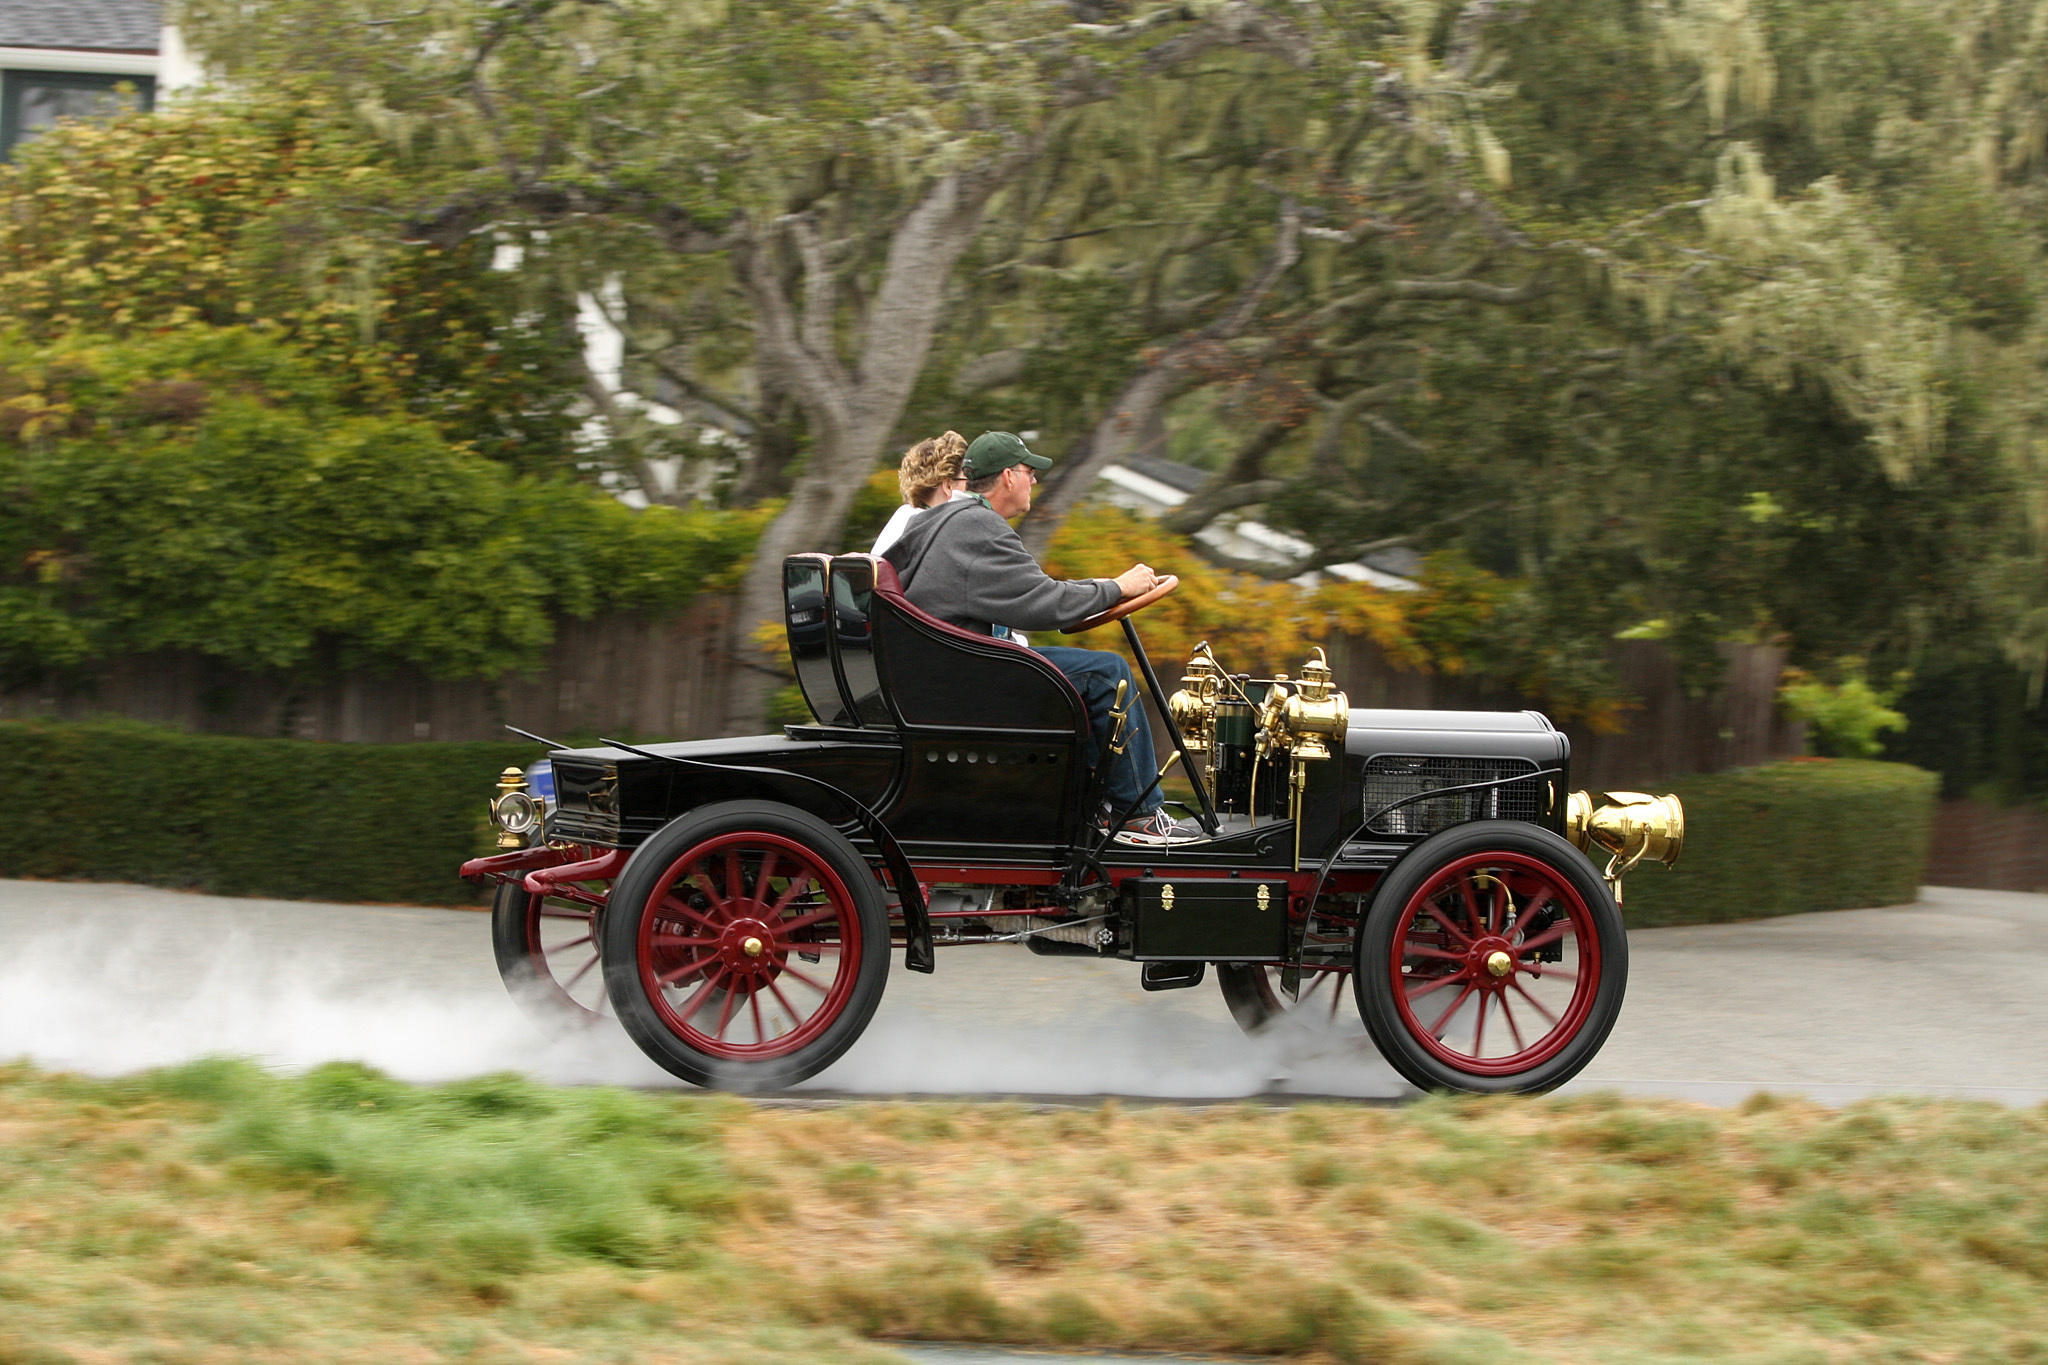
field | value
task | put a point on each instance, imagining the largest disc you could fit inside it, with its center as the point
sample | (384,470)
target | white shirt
(892,531)
(898,523)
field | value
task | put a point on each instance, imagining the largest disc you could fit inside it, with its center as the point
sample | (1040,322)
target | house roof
(90,25)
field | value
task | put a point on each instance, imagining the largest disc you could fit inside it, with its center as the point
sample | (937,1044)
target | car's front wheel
(1492,960)
(746,946)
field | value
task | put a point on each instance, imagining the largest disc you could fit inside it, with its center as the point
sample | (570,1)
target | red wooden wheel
(749,946)
(1470,948)
(1492,959)
(547,953)
(746,945)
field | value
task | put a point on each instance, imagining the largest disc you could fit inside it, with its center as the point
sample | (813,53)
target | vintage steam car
(735,901)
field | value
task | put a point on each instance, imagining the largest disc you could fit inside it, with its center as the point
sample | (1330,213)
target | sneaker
(1158,828)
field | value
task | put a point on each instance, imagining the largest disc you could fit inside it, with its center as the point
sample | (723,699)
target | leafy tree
(201,216)
(827,166)
(211,489)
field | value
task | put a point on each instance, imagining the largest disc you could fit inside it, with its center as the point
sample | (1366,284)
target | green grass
(214,1212)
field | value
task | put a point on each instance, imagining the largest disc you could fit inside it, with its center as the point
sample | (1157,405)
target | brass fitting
(1629,827)
(509,781)
(1309,718)
(1193,708)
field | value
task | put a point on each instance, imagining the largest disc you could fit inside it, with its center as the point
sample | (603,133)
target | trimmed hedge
(1809,834)
(118,801)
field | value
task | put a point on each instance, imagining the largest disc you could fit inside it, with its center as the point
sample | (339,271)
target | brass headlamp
(1194,707)
(1629,827)
(1309,719)
(514,811)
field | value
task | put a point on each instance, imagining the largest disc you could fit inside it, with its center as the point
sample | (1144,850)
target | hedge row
(118,801)
(1810,834)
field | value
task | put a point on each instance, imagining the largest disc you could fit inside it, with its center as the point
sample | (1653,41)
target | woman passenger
(929,475)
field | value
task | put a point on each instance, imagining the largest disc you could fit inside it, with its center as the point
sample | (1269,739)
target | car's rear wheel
(1259,997)
(1493,960)
(746,946)
(547,953)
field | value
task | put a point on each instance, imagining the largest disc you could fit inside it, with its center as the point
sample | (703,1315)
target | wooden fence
(635,677)
(1997,848)
(621,676)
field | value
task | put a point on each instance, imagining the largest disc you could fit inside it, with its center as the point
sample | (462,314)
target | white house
(1147,484)
(69,58)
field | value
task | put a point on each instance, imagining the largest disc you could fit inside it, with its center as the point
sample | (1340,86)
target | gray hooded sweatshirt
(965,565)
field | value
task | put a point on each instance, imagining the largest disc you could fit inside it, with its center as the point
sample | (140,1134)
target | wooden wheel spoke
(678,941)
(1479,1027)
(725,1013)
(1434,984)
(696,1002)
(1425,950)
(762,878)
(733,894)
(1450,926)
(790,926)
(1537,1003)
(788,970)
(795,1020)
(1513,1028)
(671,977)
(1437,1029)
(1547,937)
(1469,896)
(581,972)
(703,883)
(567,943)
(796,887)
(754,1004)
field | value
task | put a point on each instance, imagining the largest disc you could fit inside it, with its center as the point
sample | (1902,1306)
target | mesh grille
(1390,777)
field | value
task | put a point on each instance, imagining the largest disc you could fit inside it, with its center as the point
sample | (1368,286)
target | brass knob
(1499,963)
(752,947)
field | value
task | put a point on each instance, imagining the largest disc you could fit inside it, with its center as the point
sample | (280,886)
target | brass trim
(509,781)
(1265,896)
(1627,826)
(1166,896)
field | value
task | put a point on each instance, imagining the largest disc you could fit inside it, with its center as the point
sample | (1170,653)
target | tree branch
(1142,395)
(1240,483)
(1476,290)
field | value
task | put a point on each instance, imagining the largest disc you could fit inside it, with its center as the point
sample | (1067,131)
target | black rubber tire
(528,976)
(619,936)
(1407,878)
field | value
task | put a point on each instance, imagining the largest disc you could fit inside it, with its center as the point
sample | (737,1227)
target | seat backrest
(940,675)
(807,617)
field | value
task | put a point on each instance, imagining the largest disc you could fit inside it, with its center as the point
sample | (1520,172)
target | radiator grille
(1390,777)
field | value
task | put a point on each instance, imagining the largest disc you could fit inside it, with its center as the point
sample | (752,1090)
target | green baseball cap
(995,451)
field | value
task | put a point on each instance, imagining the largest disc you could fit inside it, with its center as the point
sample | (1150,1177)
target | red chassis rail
(544,870)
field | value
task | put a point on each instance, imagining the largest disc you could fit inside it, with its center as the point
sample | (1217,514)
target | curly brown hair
(929,466)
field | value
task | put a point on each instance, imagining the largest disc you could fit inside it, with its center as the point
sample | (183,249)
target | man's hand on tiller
(1137,581)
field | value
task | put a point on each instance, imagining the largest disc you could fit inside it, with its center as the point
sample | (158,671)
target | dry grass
(213,1213)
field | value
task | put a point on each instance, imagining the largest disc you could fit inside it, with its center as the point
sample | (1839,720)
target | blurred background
(377,375)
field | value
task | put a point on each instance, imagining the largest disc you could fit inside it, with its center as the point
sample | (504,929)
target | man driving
(963,563)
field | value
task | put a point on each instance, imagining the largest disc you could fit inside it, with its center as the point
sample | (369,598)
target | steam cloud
(111,979)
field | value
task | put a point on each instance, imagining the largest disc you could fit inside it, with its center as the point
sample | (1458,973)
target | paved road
(1939,997)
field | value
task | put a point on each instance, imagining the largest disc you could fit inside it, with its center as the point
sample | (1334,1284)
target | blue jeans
(1095,674)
